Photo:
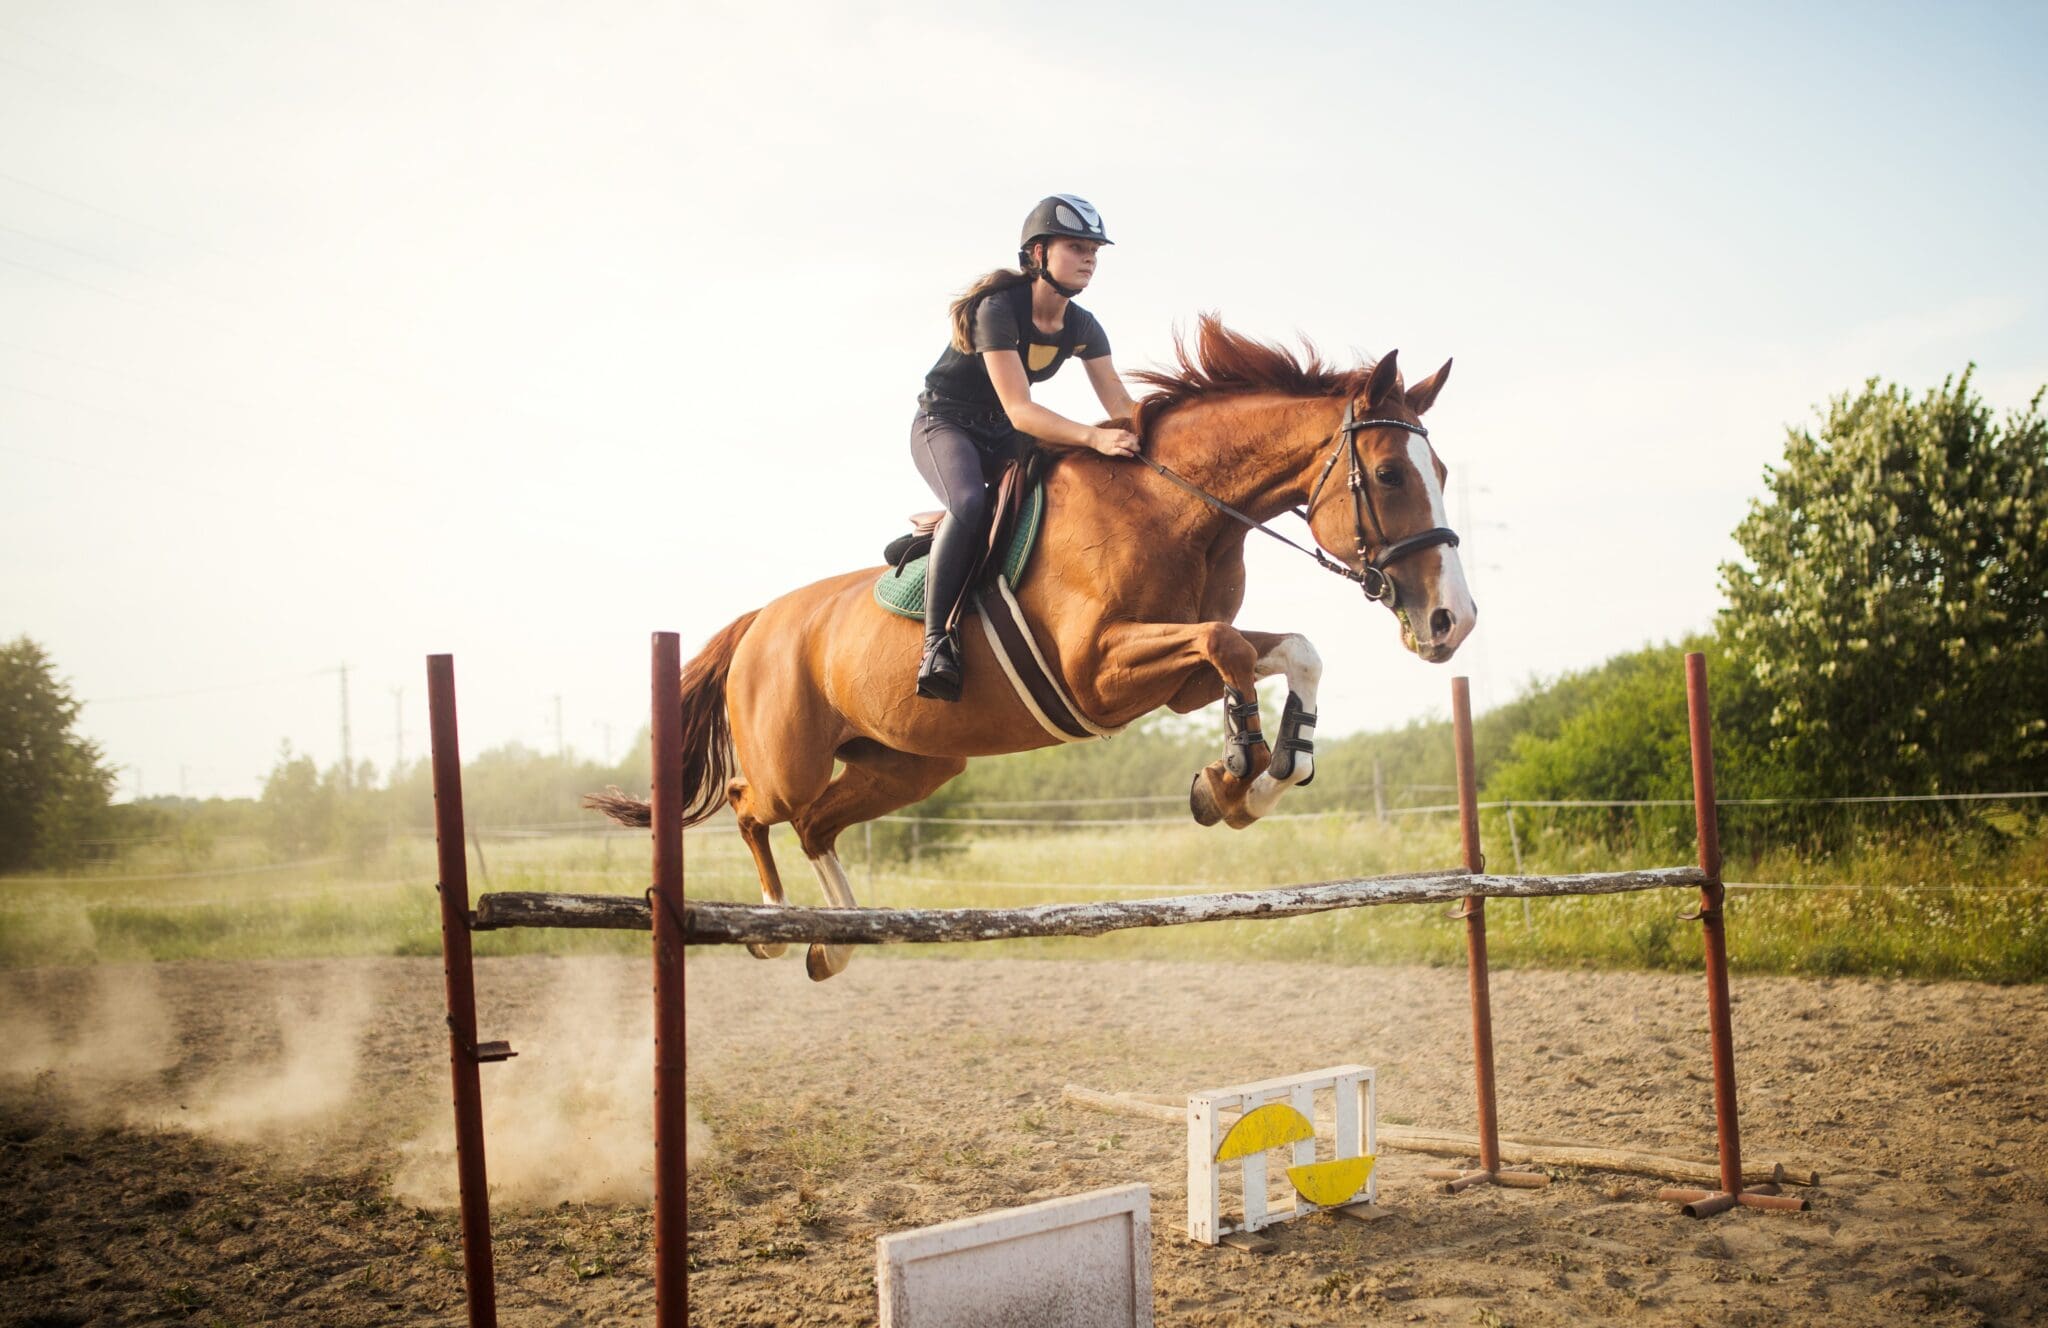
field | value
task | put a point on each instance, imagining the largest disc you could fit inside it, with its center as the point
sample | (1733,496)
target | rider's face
(1071,262)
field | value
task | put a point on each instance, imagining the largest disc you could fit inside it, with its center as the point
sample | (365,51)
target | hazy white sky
(349,333)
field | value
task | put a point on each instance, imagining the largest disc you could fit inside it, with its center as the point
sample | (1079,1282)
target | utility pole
(397,733)
(561,752)
(347,761)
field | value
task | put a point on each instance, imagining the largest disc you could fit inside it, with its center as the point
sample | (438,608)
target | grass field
(1904,907)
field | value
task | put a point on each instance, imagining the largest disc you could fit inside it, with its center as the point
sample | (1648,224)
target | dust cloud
(571,1117)
(90,1056)
(273,1097)
(114,1054)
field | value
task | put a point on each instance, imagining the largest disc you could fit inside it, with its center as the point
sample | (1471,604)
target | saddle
(1014,488)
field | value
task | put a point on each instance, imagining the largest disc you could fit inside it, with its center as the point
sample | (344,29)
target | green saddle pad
(902,593)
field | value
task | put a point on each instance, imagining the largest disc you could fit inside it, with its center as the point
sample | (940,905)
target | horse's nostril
(1440,623)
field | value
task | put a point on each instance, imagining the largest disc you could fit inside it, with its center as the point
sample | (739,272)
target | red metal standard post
(671,1164)
(1714,934)
(1475,926)
(460,982)
(1719,1021)
(1473,911)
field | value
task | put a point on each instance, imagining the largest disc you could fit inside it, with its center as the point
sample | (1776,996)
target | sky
(339,335)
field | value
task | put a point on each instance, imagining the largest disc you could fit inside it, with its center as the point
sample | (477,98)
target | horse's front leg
(1191,664)
(1294,760)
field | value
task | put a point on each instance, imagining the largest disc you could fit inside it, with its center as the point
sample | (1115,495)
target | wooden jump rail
(676,922)
(713,922)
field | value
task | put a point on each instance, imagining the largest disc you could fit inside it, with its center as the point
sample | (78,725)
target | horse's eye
(1389,476)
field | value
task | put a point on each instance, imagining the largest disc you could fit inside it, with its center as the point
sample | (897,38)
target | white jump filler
(1272,1114)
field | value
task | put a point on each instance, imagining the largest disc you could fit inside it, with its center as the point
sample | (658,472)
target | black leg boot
(952,557)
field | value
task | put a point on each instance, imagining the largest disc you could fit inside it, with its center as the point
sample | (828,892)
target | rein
(1372,576)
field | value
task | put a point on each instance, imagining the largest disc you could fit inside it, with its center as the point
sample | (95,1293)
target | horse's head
(1377,503)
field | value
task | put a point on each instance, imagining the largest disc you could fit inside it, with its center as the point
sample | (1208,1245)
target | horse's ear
(1385,381)
(1423,395)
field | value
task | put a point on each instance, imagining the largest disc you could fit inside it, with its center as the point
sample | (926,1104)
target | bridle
(1371,574)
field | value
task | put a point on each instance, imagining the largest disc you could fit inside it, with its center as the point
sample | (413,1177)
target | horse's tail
(706,740)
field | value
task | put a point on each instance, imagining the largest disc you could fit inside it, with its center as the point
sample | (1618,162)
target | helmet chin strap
(1069,291)
(1043,271)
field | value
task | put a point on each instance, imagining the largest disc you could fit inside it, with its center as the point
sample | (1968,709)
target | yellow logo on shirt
(1041,356)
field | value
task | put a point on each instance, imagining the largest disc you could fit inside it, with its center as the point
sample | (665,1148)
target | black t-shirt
(1002,321)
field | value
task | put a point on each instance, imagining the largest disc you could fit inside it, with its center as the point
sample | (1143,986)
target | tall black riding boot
(945,575)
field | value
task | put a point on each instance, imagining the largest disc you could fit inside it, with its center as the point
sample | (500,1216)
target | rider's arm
(1013,389)
(1109,388)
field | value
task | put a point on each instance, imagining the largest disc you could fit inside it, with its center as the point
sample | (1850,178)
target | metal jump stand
(1727,1125)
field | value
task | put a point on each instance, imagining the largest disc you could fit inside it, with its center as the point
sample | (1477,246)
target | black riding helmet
(1061,214)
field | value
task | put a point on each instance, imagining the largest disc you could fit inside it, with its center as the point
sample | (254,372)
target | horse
(1131,594)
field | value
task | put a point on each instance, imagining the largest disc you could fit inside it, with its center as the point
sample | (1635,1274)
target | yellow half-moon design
(1327,1184)
(1040,356)
(1269,1126)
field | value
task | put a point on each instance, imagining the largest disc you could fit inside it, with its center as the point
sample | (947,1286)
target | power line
(217,687)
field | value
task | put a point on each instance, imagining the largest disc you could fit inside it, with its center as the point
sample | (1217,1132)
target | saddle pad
(902,592)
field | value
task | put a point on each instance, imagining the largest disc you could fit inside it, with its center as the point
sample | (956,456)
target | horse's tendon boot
(1240,718)
(1293,721)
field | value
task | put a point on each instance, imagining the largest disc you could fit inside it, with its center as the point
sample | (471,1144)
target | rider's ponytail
(1002,279)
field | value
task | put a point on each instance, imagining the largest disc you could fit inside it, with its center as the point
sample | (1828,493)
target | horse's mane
(1229,363)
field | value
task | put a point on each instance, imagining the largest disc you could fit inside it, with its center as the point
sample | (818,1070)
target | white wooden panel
(1350,1141)
(1367,1090)
(1078,1262)
(1255,1215)
(1351,1088)
(1205,1180)
(1303,1099)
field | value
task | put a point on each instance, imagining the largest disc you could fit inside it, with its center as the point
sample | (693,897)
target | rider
(1013,328)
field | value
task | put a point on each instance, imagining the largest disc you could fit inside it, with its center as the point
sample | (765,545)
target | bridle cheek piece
(1371,574)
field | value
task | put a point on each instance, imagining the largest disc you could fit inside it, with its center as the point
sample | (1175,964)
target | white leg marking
(1295,657)
(770,951)
(825,961)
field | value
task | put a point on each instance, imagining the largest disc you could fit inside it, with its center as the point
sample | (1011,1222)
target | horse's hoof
(824,961)
(1202,802)
(775,951)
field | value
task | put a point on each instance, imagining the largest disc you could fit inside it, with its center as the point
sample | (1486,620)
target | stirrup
(938,673)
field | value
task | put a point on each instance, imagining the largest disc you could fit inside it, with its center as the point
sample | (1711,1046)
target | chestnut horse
(1130,594)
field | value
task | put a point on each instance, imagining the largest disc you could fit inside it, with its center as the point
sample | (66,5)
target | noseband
(1371,574)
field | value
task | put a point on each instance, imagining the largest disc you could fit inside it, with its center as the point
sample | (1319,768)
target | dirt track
(243,1143)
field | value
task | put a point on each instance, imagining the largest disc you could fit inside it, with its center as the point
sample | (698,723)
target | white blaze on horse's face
(1436,608)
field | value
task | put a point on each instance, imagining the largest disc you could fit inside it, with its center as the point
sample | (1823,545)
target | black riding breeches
(959,466)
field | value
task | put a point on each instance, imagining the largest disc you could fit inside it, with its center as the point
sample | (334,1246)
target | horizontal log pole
(713,922)
(1444,1143)
(519,908)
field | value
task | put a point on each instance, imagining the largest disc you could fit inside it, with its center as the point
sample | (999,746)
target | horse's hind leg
(755,832)
(877,780)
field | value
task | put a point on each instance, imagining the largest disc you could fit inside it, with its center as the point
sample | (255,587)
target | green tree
(1893,598)
(299,808)
(54,784)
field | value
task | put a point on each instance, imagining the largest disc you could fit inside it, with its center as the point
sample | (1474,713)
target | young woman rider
(1013,328)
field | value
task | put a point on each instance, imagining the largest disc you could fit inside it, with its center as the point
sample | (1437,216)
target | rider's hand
(1113,442)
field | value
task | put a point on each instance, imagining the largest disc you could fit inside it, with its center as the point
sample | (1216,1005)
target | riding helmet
(1063,214)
